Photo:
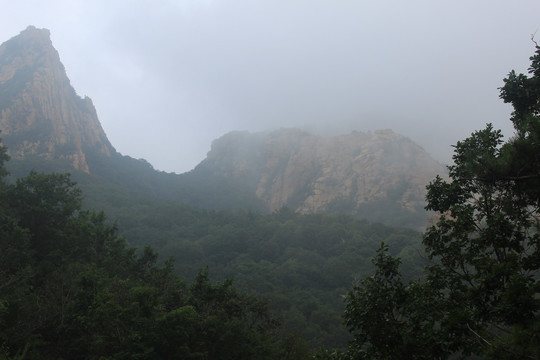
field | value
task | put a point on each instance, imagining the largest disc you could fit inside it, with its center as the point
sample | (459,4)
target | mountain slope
(41,114)
(379,176)
(367,174)
(302,263)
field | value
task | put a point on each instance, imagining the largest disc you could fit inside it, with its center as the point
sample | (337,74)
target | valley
(280,244)
(284,213)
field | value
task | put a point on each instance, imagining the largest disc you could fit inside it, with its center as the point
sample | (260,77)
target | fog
(168,77)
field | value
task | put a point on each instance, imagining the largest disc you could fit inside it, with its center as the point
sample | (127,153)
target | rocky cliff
(40,112)
(358,173)
(380,176)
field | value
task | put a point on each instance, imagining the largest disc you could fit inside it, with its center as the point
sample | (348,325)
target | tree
(487,240)
(45,204)
(231,325)
(481,292)
(71,288)
(4,157)
(393,319)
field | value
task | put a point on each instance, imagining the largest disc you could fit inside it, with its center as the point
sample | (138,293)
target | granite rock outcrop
(311,173)
(40,112)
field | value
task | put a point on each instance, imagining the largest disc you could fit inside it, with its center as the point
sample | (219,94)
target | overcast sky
(169,76)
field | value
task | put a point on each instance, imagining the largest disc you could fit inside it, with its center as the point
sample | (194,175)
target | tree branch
(532,37)
(513,178)
(478,335)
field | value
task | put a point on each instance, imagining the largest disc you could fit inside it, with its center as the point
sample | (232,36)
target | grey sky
(168,77)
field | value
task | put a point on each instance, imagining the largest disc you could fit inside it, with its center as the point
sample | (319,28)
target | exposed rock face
(376,175)
(40,112)
(312,173)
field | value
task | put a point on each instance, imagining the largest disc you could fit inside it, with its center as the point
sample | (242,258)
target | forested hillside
(211,217)
(268,249)
(72,288)
(75,265)
(302,264)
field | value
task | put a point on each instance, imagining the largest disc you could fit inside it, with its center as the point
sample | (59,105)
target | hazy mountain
(368,174)
(301,263)
(380,176)
(41,114)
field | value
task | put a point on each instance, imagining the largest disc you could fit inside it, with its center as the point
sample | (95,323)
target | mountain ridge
(41,113)
(310,173)
(378,175)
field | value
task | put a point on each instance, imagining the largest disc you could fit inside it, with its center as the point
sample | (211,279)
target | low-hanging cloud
(168,77)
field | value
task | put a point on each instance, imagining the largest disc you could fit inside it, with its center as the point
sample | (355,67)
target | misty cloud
(168,77)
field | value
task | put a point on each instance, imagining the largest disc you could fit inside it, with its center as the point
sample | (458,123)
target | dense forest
(70,281)
(81,275)
(71,288)
(302,265)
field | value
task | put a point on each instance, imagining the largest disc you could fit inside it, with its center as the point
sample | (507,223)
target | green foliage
(302,264)
(71,288)
(374,302)
(481,292)
(390,318)
(4,157)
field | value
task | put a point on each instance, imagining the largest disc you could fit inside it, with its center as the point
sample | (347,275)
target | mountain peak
(33,31)
(376,175)
(35,35)
(40,112)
